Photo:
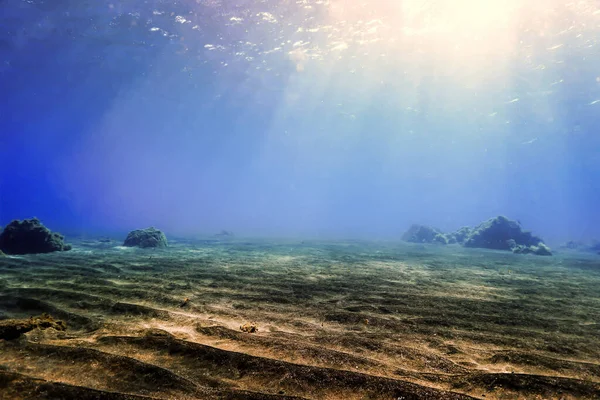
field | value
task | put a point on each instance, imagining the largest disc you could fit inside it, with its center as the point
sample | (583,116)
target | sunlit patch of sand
(182,332)
(475,291)
(280,259)
(197,251)
(429,321)
(124,248)
(120,282)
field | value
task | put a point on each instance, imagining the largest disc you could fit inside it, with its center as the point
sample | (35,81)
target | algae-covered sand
(260,320)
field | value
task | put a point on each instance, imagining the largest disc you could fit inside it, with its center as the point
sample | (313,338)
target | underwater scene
(300,199)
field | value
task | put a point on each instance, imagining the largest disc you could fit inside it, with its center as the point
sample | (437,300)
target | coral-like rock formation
(13,328)
(422,234)
(498,233)
(495,233)
(460,236)
(30,237)
(150,237)
(249,327)
(540,249)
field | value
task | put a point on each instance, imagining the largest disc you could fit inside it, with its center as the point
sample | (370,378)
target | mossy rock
(30,236)
(146,238)
(11,329)
(440,239)
(421,234)
(500,233)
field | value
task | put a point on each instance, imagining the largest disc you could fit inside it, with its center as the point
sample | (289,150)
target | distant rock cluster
(224,234)
(582,246)
(30,237)
(498,233)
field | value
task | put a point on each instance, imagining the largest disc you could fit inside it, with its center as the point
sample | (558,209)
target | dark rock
(144,238)
(423,234)
(512,244)
(30,237)
(500,233)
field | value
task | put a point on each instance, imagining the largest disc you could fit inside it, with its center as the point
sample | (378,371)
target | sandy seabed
(335,320)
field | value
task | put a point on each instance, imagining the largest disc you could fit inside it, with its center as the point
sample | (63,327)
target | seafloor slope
(337,320)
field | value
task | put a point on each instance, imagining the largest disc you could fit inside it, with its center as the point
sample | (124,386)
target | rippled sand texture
(335,321)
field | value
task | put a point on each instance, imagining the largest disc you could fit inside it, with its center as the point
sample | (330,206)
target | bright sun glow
(442,23)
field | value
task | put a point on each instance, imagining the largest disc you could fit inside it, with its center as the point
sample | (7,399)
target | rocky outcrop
(145,238)
(498,233)
(30,237)
(423,234)
(11,329)
(460,236)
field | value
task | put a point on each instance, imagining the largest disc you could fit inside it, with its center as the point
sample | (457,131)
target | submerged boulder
(30,237)
(501,233)
(150,237)
(423,234)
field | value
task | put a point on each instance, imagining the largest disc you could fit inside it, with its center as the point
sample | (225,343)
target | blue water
(310,118)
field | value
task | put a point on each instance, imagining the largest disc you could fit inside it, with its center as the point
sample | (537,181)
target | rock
(500,233)
(459,236)
(11,329)
(423,234)
(225,234)
(573,245)
(540,250)
(30,237)
(144,238)
(440,239)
